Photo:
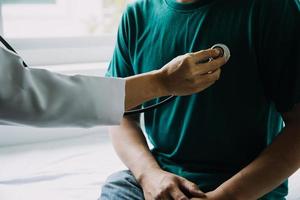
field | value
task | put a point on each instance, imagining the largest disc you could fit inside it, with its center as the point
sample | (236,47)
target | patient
(221,142)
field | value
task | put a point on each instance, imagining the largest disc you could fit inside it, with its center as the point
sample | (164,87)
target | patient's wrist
(224,194)
(143,176)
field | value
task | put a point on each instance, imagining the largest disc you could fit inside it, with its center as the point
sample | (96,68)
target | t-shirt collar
(187,6)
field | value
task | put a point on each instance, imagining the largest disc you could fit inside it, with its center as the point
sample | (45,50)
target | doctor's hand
(161,185)
(184,75)
(190,73)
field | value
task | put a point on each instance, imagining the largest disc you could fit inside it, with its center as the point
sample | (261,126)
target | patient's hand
(216,195)
(159,184)
(190,73)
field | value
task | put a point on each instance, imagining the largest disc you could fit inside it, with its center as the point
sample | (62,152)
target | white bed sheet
(72,169)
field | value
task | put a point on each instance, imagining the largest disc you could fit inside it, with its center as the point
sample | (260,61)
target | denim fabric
(121,186)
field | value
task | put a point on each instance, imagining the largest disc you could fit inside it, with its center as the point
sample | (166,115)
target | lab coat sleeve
(37,97)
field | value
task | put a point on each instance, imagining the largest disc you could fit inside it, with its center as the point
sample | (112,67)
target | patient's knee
(121,185)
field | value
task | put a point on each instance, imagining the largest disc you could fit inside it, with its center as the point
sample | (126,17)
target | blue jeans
(121,186)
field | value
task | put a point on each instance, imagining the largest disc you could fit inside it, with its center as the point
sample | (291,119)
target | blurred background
(69,37)
(60,18)
(65,36)
(51,32)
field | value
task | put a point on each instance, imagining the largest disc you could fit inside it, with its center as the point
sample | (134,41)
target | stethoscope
(224,51)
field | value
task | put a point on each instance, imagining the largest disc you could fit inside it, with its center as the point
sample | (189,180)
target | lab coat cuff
(117,100)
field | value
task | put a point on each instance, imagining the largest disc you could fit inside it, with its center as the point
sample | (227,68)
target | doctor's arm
(37,97)
(182,76)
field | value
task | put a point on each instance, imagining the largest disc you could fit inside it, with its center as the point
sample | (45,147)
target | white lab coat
(41,98)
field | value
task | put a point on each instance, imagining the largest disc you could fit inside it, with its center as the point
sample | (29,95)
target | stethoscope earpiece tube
(150,108)
(6,44)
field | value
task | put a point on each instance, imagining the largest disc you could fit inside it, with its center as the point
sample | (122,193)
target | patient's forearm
(132,148)
(269,170)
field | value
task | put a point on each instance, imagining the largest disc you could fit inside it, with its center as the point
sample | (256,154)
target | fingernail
(217,51)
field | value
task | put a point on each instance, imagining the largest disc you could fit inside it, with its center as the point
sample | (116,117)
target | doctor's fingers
(204,81)
(204,55)
(209,78)
(209,67)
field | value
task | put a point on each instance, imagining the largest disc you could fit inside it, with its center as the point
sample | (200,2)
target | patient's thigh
(121,186)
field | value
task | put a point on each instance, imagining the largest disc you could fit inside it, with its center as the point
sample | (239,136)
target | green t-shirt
(210,136)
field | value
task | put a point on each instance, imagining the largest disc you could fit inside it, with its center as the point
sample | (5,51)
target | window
(60,33)
(49,32)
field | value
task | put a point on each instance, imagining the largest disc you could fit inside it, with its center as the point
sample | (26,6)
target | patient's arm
(132,148)
(270,169)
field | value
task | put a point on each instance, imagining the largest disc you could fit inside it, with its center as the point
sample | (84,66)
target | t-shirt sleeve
(279,52)
(120,64)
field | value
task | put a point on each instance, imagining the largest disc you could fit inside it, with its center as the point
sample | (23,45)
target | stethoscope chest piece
(224,50)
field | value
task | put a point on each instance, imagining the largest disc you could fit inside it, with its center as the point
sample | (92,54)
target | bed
(71,168)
